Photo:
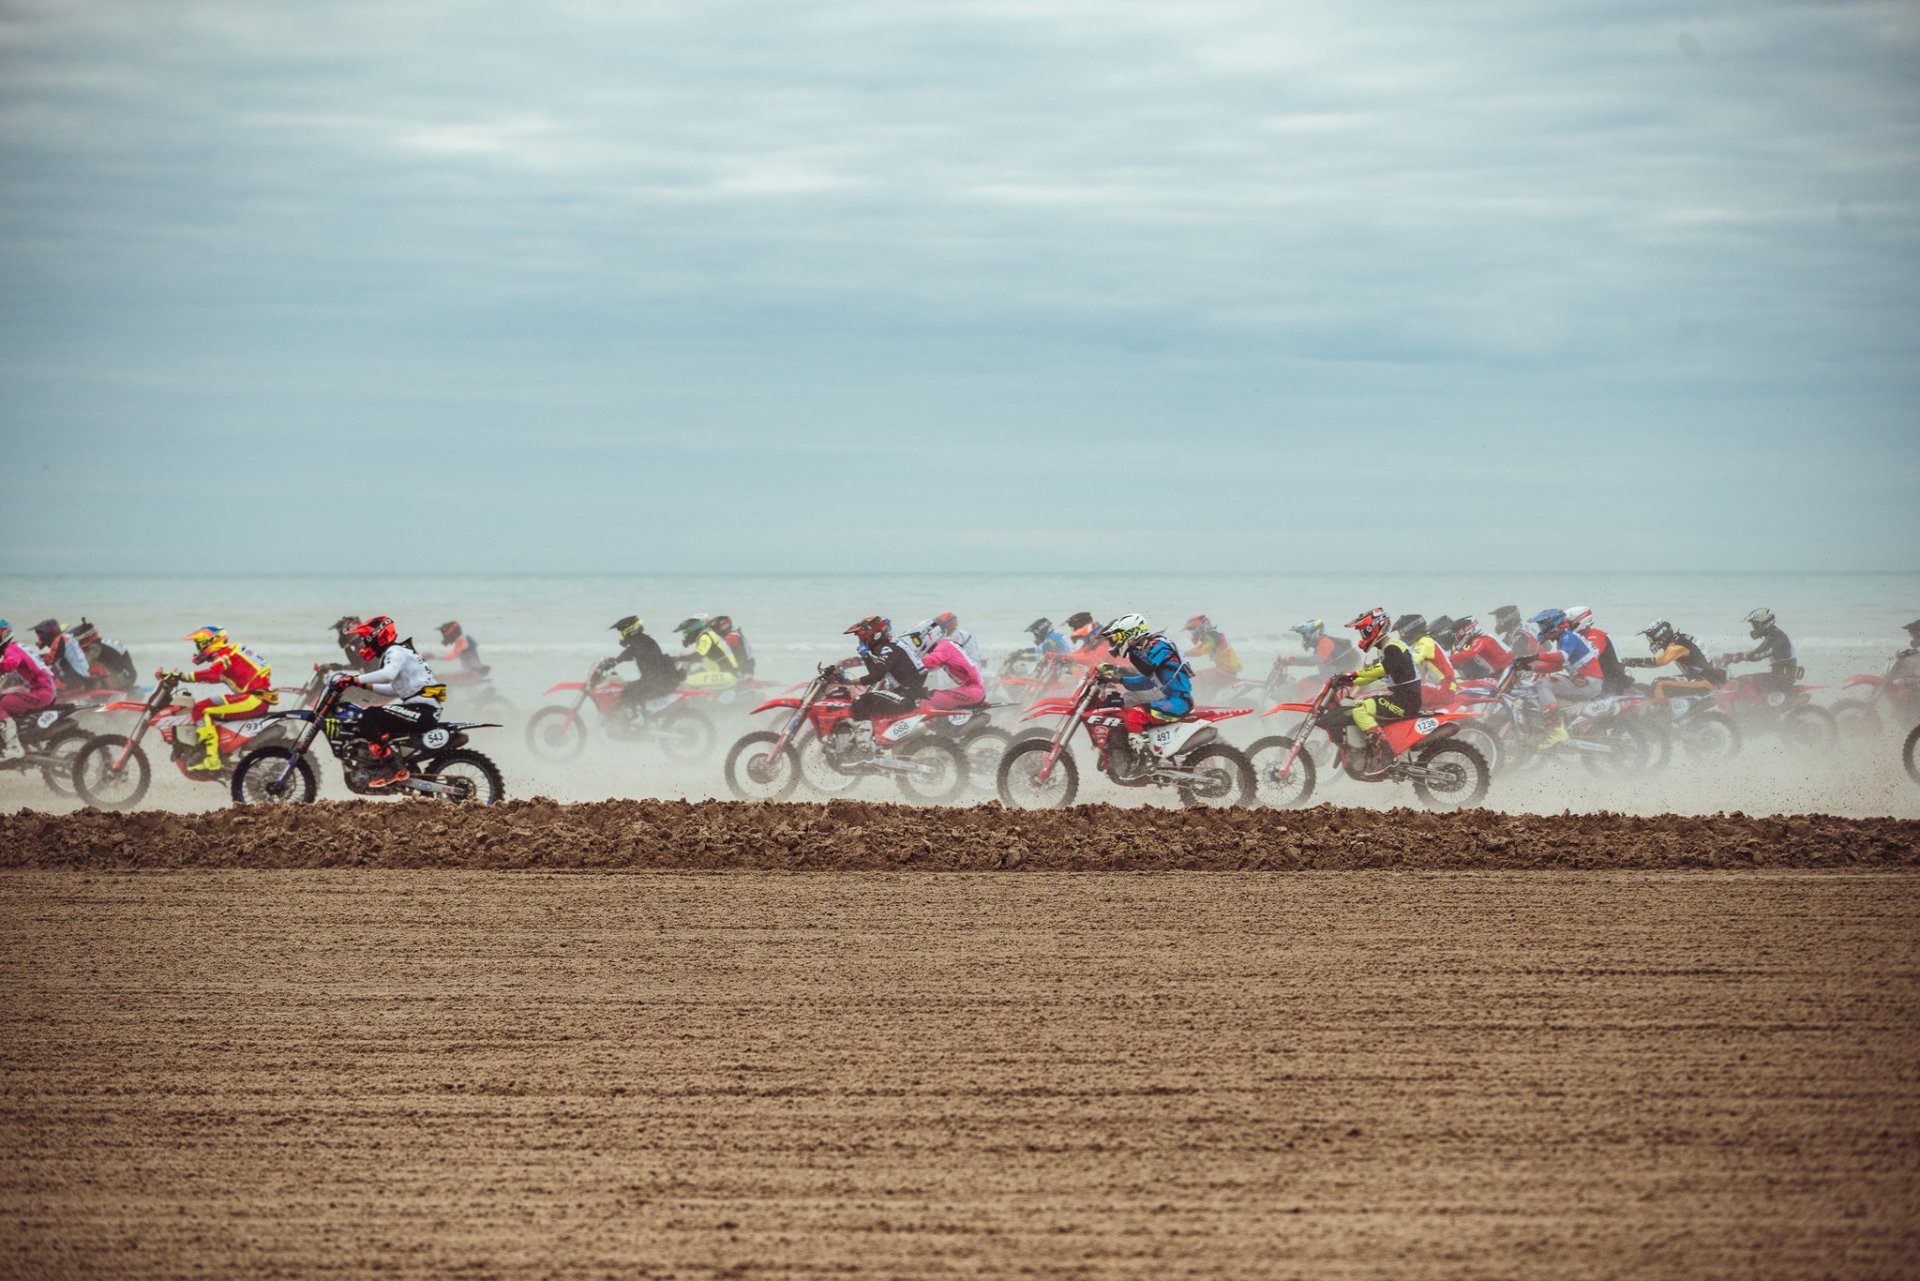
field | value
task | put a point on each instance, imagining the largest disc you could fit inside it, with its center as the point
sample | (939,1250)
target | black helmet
(1506,616)
(1659,634)
(1913,631)
(46,630)
(1080,619)
(629,627)
(1442,630)
(692,627)
(1039,627)
(450,631)
(345,623)
(1410,627)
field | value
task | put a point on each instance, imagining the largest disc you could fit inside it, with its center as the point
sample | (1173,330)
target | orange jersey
(242,670)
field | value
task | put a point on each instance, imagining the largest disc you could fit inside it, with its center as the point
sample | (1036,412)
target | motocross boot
(210,740)
(10,748)
(387,772)
(1556,734)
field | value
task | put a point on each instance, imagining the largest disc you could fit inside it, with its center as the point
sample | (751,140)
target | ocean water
(538,631)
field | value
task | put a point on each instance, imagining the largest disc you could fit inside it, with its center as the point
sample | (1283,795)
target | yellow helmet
(207,639)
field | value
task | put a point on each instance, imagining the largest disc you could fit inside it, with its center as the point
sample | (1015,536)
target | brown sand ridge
(857,835)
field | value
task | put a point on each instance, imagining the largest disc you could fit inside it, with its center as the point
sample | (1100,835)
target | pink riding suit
(967,687)
(20,663)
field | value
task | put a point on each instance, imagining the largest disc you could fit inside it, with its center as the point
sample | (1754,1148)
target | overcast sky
(887,285)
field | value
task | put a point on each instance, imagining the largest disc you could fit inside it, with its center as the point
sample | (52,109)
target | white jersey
(402,674)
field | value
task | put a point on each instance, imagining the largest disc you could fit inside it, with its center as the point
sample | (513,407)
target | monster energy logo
(331,727)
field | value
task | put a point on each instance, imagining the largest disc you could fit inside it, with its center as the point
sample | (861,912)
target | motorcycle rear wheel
(487,786)
(755,773)
(949,771)
(96,782)
(1233,778)
(1811,727)
(66,745)
(984,749)
(686,735)
(556,734)
(260,769)
(1018,783)
(1629,750)
(1708,736)
(1296,789)
(1910,754)
(1467,773)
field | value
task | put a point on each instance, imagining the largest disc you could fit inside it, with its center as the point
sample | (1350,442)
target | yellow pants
(1369,712)
(241,705)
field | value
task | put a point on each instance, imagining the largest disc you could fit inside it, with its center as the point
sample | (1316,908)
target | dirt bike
(1877,703)
(1423,750)
(52,737)
(436,758)
(1789,712)
(1693,722)
(766,765)
(1602,731)
(112,772)
(1187,755)
(676,721)
(473,688)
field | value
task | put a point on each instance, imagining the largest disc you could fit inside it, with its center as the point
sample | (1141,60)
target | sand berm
(853,835)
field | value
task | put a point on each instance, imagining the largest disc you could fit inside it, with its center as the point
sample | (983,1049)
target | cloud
(1136,229)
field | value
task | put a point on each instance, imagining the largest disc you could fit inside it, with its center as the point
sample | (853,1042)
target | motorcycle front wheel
(1628,750)
(1019,783)
(105,788)
(940,771)
(65,746)
(1708,736)
(1265,756)
(984,748)
(1811,727)
(1228,778)
(755,773)
(556,734)
(1910,754)
(257,780)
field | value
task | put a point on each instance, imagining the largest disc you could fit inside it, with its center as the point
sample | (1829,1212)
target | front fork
(134,735)
(300,746)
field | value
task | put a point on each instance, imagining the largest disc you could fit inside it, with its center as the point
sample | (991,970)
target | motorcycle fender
(125,706)
(773,704)
(1288,707)
(1049,707)
(565,686)
(1851,681)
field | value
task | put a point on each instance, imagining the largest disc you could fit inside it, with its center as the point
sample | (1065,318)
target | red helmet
(374,636)
(1198,623)
(946,622)
(1372,626)
(1465,631)
(870,628)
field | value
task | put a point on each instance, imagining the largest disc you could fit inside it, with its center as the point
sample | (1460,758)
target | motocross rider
(1774,649)
(349,645)
(737,642)
(707,650)
(20,664)
(63,656)
(397,672)
(1205,640)
(112,665)
(1158,668)
(1476,655)
(1327,655)
(1697,671)
(248,679)
(1513,633)
(894,680)
(948,625)
(1396,665)
(461,646)
(658,675)
(1046,640)
(945,662)
(1605,667)
(1428,654)
(1563,651)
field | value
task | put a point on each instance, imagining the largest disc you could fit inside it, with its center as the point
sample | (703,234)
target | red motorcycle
(112,772)
(678,722)
(1187,755)
(1754,702)
(767,765)
(1876,704)
(1446,773)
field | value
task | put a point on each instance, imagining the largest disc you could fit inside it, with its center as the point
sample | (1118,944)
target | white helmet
(1125,630)
(923,636)
(1579,618)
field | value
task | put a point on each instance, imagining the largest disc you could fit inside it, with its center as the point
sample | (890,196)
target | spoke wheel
(984,750)
(477,777)
(755,772)
(1019,783)
(1228,778)
(686,735)
(556,733)
(257,780)
(102,786)
(1270,788)
(1457,775)
(940,771)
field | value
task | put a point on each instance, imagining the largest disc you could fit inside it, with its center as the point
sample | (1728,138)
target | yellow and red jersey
(239,668)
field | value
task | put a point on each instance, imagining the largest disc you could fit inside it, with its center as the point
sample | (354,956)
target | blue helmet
(1549,621)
